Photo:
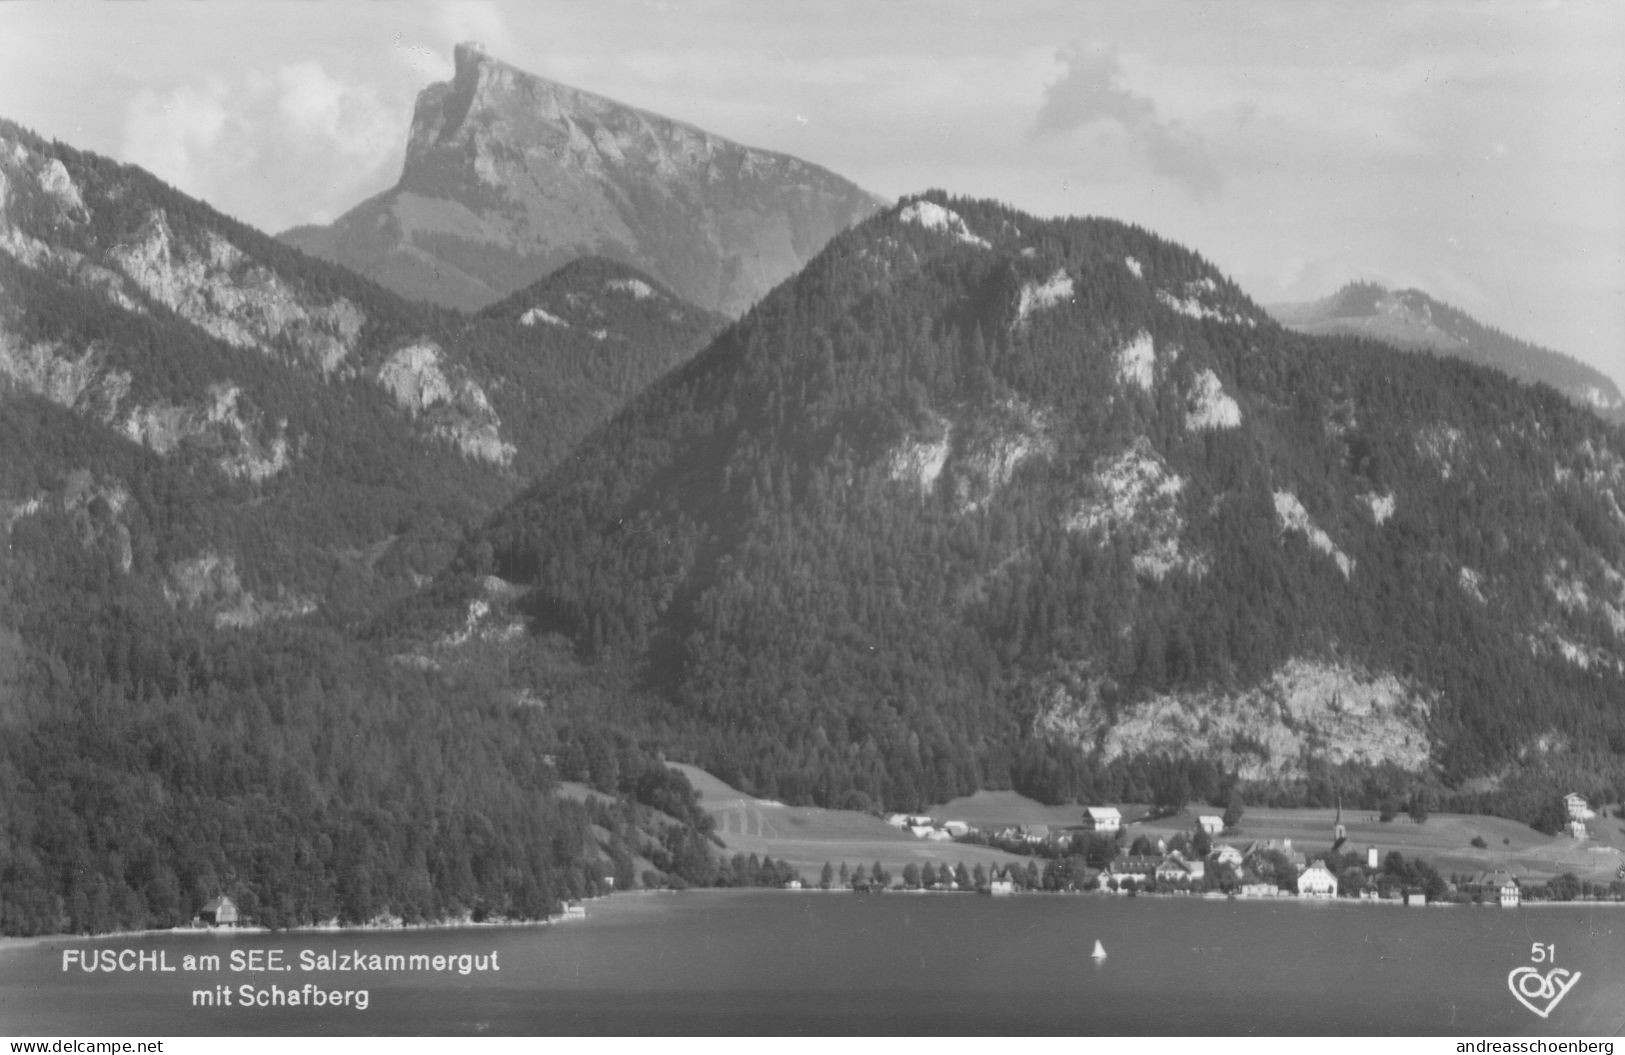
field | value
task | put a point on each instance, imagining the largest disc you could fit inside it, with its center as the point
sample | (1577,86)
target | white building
(1211,824)
(1317,881)
(1579,809)
(1102,819)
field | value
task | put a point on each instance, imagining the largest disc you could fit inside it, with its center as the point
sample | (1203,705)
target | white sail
(1100,950)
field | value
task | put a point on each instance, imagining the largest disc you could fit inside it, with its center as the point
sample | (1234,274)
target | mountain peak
(509,175)
(1412,319)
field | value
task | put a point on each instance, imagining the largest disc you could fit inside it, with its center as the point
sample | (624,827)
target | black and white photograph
(769,519)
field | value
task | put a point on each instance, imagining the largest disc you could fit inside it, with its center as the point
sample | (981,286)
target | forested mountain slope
(1413,320)
(979,499)
(216,454)
(327,439)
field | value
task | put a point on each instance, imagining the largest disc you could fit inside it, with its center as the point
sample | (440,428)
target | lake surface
(771,962)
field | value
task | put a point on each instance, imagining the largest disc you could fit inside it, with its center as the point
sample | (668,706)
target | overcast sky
(1472,149)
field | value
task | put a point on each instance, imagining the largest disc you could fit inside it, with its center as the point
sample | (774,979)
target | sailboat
(1100,951)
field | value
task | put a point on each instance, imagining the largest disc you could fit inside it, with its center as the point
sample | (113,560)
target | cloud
(274,149)
(476,20)
(168,134)
(1091,92)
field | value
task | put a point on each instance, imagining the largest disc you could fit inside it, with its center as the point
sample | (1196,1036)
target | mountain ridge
(249,365)
(1411,319)
(980,499)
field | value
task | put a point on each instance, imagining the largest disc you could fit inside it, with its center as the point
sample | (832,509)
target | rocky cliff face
(257,391)
(508,176)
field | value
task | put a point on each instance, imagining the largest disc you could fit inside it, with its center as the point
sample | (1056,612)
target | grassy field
(806,836)
(1444,840)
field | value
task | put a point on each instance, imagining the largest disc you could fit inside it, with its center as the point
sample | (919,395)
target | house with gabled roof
(1102,819)
(220,912)
(1317,881)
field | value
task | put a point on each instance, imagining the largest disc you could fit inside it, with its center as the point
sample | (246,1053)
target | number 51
(1539,953)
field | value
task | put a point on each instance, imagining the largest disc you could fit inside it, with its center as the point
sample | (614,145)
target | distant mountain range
(508,176)
(1411,319)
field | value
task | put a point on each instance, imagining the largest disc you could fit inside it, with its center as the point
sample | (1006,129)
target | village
(1099,854)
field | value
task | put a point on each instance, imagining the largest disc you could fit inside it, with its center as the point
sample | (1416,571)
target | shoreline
(20,942)
(11,943)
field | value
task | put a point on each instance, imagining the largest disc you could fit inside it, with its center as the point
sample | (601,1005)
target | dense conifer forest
(739,553)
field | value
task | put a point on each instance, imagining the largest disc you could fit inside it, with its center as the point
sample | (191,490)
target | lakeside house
(1258,889)
(1000,884)
(220,912)
(1317,881)
(1511,894)
(1225,854)
(1133,869)
(1102,819)
(1174,867)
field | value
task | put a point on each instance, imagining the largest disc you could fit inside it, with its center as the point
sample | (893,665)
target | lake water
(770,962)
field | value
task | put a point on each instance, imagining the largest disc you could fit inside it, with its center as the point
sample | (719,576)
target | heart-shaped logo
(1531,987)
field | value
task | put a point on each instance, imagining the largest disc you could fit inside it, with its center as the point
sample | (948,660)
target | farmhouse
(1102,819)
(1211,824)
(1225,854)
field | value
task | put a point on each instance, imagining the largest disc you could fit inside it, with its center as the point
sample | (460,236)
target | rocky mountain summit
(1409,318)
(509,175)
